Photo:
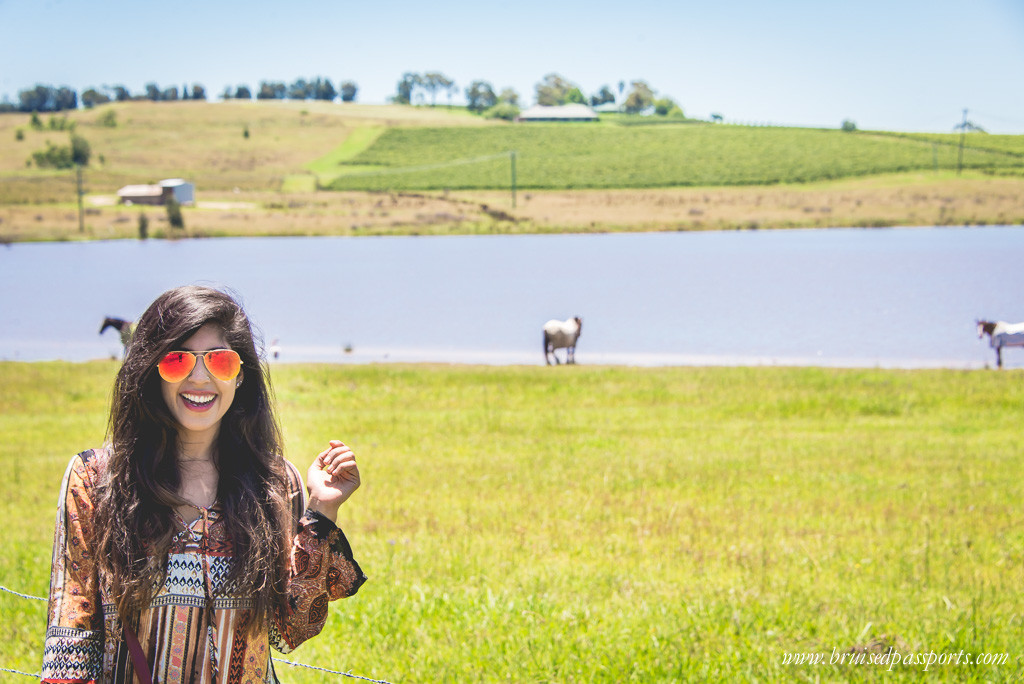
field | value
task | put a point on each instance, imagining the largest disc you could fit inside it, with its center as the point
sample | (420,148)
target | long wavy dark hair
(134,513)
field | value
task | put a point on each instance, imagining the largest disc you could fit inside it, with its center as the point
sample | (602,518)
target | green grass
(586,524)
(567,156)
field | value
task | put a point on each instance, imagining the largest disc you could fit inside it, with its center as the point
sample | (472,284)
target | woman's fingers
(336,458)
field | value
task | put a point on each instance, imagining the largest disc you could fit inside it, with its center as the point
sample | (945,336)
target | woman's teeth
(198,398)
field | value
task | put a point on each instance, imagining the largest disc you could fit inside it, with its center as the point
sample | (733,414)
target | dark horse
(125,328)
(1001,334)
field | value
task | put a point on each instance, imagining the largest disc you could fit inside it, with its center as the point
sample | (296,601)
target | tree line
(49,98)
(481,97)
(553,90)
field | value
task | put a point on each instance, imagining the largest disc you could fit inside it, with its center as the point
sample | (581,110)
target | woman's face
(199,402)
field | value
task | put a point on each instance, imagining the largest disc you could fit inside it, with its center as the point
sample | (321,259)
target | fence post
(512,160)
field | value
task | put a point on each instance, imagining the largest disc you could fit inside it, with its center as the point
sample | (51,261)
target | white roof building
(569,112)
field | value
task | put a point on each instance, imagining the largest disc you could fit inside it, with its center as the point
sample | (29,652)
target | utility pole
(960,155)
(512,160)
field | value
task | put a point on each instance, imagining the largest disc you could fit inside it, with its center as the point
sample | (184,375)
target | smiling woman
(185,548)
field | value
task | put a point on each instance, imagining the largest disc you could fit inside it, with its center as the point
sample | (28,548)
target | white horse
(561,335)
(1001,334)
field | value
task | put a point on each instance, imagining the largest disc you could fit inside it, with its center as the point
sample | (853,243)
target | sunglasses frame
(196,355)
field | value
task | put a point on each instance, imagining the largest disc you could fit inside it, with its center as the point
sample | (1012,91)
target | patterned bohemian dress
(195,627)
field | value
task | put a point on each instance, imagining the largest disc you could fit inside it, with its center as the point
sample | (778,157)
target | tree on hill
(242,92)
(404,90)
(554,90)
(480,96)
(603,96)
(348,91)
(45,98)
(76,153)
(640,97)
(666,106)
(121,93)
(324,90)
(299,90)
(271,90)
(509,96)
(92,97)
(575,96)
(198,92)
(433,81)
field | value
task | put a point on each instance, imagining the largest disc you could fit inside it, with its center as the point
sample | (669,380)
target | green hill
(571,156)
(268,168)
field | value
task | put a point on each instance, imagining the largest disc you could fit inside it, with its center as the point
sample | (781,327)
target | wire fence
(422,167)
(37,675)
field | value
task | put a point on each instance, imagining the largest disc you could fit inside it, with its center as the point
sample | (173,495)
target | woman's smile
(198,401)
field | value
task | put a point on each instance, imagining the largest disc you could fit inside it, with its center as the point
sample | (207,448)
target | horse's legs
(999,357)
(570,355)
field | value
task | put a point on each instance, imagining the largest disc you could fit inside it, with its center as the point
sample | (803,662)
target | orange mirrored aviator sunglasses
(222,364)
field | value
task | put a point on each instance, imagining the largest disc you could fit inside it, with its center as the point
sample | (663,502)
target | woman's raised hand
(332,478)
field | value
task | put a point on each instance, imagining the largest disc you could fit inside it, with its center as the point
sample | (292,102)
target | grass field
(567,156)
(588,524)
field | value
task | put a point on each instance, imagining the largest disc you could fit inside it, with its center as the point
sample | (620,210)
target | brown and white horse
(1001,334)
(561,335)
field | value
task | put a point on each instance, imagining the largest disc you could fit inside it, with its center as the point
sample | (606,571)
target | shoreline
(328,356)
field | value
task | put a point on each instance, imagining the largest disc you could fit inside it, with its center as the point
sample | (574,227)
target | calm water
(838,297)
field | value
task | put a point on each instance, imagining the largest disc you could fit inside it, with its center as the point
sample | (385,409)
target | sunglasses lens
(223,364)
(176,366)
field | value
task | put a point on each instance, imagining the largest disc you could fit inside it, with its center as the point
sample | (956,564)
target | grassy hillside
(587,524)
(258,166)
(566,156)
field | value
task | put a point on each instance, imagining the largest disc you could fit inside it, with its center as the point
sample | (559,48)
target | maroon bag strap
(138,657)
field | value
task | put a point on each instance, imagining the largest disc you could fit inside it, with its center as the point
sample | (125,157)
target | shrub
(174,216)
(54,157)
(849,125)
(19,135)
(502,110)
(108,118)
(80,150)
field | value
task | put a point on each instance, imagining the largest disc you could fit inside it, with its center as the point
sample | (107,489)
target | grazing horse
(562,335)
(1001,334)
(125,328)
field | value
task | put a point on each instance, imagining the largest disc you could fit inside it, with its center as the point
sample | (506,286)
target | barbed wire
(24,596)
(276,660)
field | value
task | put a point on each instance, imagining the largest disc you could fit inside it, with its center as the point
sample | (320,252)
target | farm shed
(570,112)
(183,191)
(180,189)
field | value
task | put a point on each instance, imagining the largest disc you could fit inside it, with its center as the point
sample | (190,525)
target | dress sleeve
(321,569)
(73,651)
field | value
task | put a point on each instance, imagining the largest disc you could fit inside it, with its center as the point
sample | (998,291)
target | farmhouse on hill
(569,112)
(180,189)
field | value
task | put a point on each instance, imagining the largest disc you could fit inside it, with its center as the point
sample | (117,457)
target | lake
(902,297)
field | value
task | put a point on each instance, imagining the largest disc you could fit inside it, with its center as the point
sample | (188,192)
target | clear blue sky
(911,65)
